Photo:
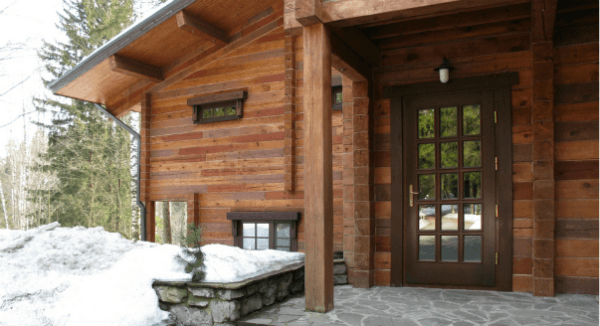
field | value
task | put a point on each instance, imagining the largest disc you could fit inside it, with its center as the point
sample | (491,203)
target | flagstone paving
(387,306)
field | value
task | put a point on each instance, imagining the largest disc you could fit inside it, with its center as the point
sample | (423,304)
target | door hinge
(496,258)
(496,210)
(495,116)
(496,163)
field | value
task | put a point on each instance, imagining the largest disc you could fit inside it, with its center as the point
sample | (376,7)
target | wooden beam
(135,68)
(309,12)
(543,15)
(200,28)
(318,169)
(348,62)
(360,44)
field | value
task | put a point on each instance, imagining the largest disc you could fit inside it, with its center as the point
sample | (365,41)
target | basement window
(217,107)
(336,97)
(265,230)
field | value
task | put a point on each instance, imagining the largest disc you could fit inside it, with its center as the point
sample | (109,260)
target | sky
(28,22)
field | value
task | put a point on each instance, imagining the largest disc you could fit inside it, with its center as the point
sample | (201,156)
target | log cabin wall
(576,150)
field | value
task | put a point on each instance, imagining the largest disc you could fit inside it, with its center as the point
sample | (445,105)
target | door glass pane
(426,123)
(427,186)
(426,217)
(283,230)
(426,156)
(427,247)
(249,243)
(249,230)
(472,153)
(262,244)
(471,120)
(449,153)
(282,243)
(449,248)
(472,184)
(472,216)
(448,121)
(472,248)
(262,229)
(449,185)
(449,217)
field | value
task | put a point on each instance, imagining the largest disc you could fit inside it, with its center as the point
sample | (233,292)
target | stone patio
(386,306)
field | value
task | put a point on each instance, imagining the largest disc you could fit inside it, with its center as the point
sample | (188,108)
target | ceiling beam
(200,28)
(135,68)
(543,15)
(348,62)
(309,12)
(359,43)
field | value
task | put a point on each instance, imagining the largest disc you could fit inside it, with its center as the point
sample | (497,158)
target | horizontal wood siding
(576,152)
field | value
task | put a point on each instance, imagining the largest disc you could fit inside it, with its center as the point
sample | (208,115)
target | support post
(318,174)
(144,164)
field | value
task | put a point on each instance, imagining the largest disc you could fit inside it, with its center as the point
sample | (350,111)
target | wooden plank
(318,188)
(576,229)
(576,170)
(543,13)
(359,43)
(577,112)
(576,54)
(200,28)
(577,189)
(572,131)
(580,150)
(348,62)
(219,97)
(309,12)
(576,93)
(135,68)
(574,35)
(576,248)
(450,22)
(579,285)
(577,209)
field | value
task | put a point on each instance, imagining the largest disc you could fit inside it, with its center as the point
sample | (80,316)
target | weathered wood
(318,186)
(573,131)
(135,68)
(348,62)
(200,28)
(578,229)
(576,93)
(309,12)
(543,14)
(150,221)
(359,43)
(580,285)
(576,170)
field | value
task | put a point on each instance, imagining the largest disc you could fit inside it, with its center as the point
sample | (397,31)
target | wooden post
(145,118)
(318,174)
(150,222)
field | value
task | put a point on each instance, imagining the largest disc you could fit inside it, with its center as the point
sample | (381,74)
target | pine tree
(90,154)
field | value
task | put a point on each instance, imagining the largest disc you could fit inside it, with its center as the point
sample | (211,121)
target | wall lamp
(444,70)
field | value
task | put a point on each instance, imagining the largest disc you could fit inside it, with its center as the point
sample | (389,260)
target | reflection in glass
(207,113)
(472,153)
(219,112)
(426,123)
(448,121)
(283,243)
(449,217)
(262,244)
(427,186)
(283,230)
(426,217)
(471,120)
(472,251)
(472,184)
(427,247)
(230,110)
(249,230)
(449,185)
(449,153)
(262,229)
(449,248)
(249,243)
(426,156)
(472,216)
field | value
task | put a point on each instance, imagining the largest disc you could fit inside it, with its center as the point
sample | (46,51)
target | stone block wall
(223,303)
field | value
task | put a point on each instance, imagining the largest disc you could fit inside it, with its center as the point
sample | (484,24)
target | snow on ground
(77,276)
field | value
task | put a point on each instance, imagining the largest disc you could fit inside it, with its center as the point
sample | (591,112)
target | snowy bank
(78,276)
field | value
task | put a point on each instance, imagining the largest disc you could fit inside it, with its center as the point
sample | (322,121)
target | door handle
(410,195)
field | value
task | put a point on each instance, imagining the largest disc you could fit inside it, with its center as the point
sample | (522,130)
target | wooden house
(324,126)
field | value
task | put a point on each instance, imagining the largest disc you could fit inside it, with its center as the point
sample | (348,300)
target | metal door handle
(410,195)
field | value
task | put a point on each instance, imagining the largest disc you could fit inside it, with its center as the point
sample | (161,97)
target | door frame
(501,84)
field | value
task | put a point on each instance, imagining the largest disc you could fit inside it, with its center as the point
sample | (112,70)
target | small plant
(191,255)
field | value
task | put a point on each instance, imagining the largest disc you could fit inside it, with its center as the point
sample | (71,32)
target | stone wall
(223,303)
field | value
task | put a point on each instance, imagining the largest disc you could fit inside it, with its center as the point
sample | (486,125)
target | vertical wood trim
(150,222)
(318,175)
(397,188)
(145,119)
(289,111)
(348,176)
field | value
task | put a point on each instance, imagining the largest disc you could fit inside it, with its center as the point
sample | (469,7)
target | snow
(77,276)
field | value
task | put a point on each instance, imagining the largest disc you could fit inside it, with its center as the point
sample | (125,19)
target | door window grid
(464,240)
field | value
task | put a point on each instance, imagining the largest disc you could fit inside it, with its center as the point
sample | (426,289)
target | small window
(337,98)
(217,107)
(267,230)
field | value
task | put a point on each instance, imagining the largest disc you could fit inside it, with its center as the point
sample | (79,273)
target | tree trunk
(3,205)
(166,222)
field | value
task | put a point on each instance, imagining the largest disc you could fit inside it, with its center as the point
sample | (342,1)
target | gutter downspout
(139,158)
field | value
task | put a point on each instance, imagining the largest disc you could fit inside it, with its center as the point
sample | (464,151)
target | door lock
(410,195)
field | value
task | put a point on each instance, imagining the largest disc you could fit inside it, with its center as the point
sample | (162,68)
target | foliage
(191,254)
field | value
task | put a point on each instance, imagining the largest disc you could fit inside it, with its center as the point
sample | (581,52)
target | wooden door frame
(501,83)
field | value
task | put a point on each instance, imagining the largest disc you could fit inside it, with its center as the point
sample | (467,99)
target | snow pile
(78,276)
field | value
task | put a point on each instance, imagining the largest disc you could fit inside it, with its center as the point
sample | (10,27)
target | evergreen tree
(89,153)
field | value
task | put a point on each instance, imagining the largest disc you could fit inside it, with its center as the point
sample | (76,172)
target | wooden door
(450,189)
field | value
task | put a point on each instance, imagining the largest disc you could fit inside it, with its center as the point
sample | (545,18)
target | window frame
(207,102)
(334,91)
(271,218)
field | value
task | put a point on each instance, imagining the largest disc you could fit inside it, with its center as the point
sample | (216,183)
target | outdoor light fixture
(444,70)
